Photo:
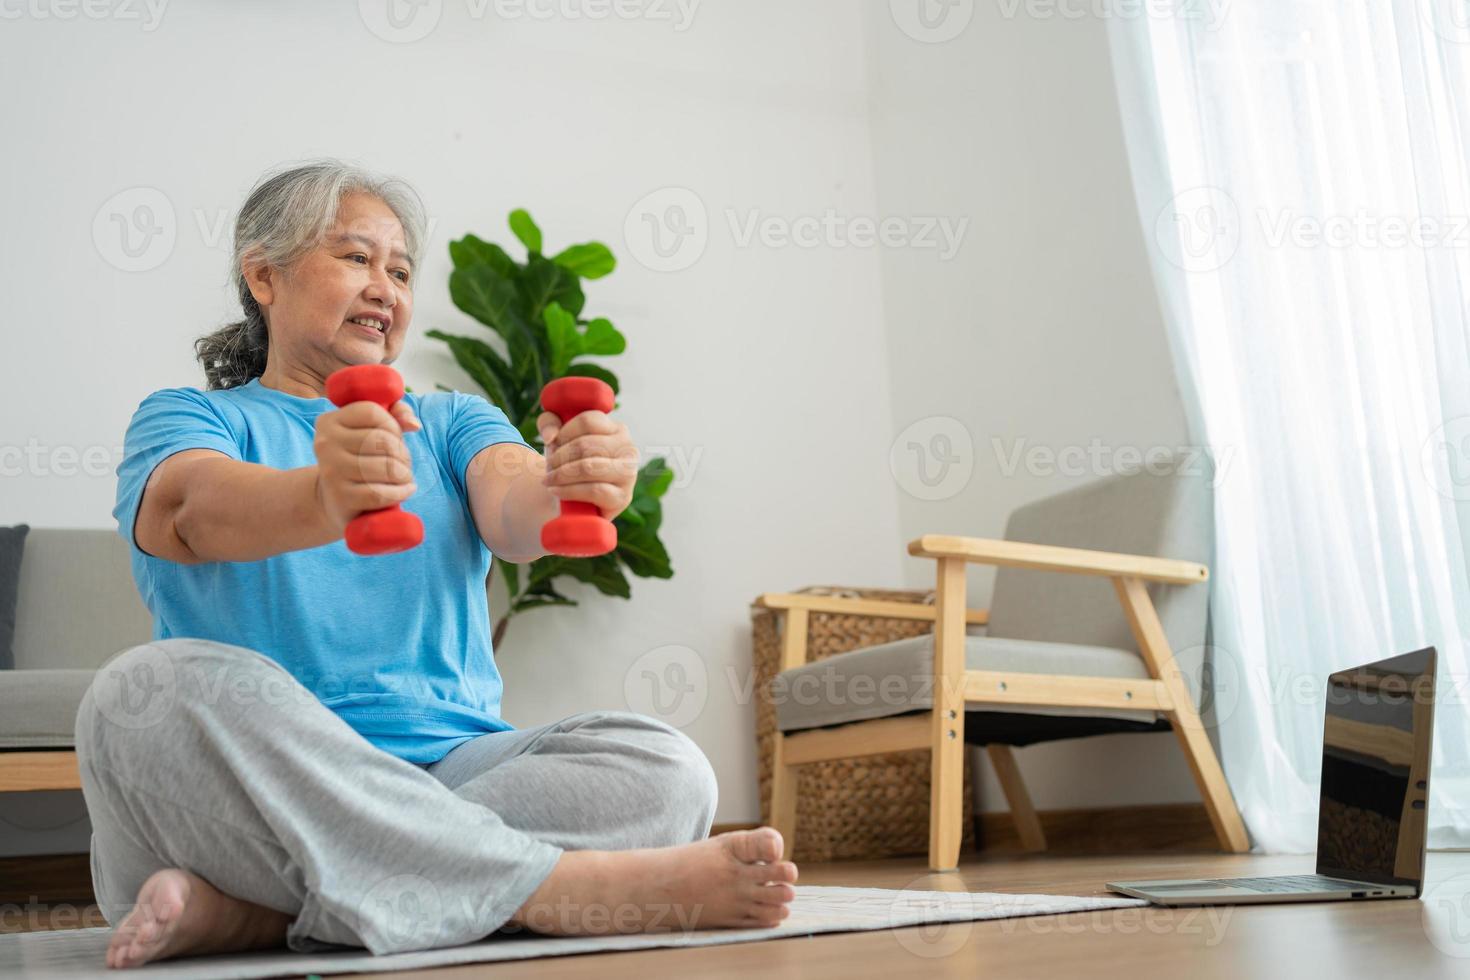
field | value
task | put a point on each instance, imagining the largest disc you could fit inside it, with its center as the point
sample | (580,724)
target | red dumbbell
(580,531)
(375,532)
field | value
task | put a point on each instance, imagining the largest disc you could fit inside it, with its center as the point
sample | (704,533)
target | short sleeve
(476,424)
(167,422)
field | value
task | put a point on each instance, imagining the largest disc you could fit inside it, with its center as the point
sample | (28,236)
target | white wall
(1043,332)
(763,367)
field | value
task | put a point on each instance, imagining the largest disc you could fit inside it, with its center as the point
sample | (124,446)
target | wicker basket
(871,807)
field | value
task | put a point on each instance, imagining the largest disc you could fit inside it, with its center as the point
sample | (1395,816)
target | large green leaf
(563,338)
(567,342)
(529,371)
(641,510)
(602,339)
(542,592)
(525,229)
(471,250)
(644,509)
(654,477)
(601,572)
(543,282)
(643,553)
(590,260)
(544,570)
(481,362)
(527,603)
(512,573)
(495,301)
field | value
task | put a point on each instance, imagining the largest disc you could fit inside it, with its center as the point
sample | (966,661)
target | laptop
(1374,800)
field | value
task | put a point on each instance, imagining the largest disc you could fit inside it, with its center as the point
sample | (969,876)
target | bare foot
(733,880)
(178,913)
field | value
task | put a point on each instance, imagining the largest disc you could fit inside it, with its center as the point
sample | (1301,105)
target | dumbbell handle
(390,529)
(581,531)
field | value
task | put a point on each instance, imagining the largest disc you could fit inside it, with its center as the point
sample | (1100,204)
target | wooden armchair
(1079,676)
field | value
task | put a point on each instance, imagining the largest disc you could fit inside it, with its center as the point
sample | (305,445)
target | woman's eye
(402,274)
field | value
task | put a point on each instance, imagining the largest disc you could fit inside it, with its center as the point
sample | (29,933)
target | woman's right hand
(362,461)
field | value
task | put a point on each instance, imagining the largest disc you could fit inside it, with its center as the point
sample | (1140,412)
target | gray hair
(286,215)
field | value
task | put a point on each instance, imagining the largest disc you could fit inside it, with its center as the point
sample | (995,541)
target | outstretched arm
(514,490)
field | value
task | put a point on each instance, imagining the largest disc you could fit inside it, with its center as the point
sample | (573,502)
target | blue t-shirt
(397,645)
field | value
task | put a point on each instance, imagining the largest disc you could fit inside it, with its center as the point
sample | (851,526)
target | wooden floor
(1318,941)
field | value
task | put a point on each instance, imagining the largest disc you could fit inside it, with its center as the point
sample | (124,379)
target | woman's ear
(259,277)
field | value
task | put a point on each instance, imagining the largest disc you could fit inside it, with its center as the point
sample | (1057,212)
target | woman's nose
(380,287)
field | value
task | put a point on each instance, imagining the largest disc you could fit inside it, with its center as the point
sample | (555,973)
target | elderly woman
(310,753)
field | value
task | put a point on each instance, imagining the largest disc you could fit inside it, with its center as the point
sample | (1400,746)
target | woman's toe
(751,846)
(778,894)
(770,916)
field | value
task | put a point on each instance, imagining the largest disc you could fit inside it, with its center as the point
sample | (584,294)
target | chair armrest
(1045,557)
(878,608)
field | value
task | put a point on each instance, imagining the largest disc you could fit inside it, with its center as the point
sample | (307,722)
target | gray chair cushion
(12,547)
(38,708)
(1168,516)
(893,678)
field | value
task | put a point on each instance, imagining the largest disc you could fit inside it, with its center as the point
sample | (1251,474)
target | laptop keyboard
(1289,883)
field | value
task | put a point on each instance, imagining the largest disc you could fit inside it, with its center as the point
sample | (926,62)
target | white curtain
(1301,169)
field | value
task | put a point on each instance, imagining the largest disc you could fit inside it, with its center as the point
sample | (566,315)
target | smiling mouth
(369,325)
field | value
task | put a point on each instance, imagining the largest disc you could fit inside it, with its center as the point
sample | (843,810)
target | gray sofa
(77,606)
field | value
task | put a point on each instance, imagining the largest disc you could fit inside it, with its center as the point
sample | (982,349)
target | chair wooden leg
(1022,812)
(947,775)
(783,776)
(783,798)
(1153,645)
(946,806)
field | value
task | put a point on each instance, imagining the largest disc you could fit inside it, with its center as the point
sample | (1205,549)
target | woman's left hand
(591,458)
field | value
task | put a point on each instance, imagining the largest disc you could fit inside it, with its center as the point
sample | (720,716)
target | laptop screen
(1375,770)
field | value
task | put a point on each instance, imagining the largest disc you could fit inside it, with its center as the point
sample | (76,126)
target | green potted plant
(533,310)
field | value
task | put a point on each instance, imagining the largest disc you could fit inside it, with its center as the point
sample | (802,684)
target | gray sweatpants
(213,758)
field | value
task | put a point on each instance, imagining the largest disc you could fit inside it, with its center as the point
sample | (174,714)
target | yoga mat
(75,953)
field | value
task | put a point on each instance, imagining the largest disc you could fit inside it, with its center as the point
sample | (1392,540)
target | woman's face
(359,270)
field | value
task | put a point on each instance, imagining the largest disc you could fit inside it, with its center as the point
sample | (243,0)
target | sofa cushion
(894,678)
(12,546)
(77,603)
(38,708)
